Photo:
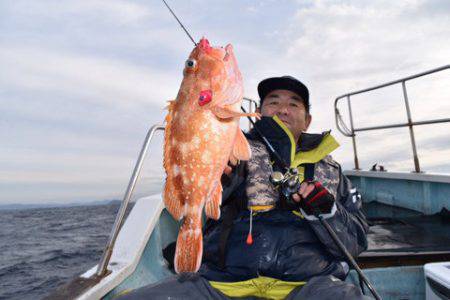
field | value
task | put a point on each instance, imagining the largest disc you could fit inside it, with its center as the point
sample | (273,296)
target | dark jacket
(287,245)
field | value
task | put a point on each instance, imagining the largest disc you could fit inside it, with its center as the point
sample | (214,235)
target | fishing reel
(288,182)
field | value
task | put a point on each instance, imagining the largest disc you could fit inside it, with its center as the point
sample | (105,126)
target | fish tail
(189,250)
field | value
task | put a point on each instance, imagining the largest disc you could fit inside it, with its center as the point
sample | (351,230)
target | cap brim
(283,83)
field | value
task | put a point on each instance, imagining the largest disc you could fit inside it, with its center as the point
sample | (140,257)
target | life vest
(255,190)
(312,153)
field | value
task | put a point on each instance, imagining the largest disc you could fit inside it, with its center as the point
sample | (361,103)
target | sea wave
(47,247)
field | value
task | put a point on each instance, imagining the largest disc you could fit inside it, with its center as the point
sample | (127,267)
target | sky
(81,82)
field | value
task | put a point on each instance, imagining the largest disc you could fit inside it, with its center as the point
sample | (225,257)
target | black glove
(319,201)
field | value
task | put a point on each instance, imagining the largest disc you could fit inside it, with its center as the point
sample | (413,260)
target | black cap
(284,83)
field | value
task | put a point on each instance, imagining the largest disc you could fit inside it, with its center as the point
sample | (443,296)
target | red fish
(202,134)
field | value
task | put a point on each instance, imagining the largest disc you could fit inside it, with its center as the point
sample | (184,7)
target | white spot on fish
(201,180)
(184,147)
(206,157)
(196,142)
(176,170)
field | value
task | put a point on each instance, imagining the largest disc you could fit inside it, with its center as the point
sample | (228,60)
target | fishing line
(271,149)
(325,224)
(179,22)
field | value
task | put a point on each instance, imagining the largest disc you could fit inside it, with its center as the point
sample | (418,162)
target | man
(268,242)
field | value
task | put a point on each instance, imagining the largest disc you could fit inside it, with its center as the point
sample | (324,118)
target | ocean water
(43,248)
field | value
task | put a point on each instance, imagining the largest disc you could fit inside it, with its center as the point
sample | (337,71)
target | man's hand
(313,198)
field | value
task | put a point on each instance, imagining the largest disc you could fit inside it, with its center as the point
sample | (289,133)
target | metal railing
(251,103)
(101,270)
(351,132)
(106,256)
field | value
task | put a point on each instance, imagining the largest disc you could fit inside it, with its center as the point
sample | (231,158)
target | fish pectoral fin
(233,160)
(241,148)
(213,202)
(223,112)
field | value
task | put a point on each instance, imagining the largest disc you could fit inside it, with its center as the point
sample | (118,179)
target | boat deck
(400,236)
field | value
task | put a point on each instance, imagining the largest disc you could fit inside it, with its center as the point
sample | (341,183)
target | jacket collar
(310,149)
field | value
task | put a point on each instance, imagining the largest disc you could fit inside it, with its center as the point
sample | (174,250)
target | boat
(408,214)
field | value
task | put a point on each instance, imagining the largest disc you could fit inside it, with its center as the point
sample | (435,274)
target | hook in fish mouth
(204,45)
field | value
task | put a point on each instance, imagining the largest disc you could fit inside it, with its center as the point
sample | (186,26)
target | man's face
(289,107)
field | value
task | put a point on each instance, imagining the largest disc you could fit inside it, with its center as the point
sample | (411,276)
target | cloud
(355,42)
(90,78)
(81,82)
(340,47)
(113,11)
(76,192)
(32,176)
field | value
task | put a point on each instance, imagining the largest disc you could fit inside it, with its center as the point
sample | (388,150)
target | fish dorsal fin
(241,149)
(170,105)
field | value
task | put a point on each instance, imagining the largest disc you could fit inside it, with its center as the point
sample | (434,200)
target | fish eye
(191,63)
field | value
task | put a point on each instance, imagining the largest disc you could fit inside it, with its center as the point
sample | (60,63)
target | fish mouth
(204,45)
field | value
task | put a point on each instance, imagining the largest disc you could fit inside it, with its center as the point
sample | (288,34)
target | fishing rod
(324,223)
(348,255)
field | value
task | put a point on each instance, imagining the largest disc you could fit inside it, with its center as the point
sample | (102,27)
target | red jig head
(204,45)
(205,97)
